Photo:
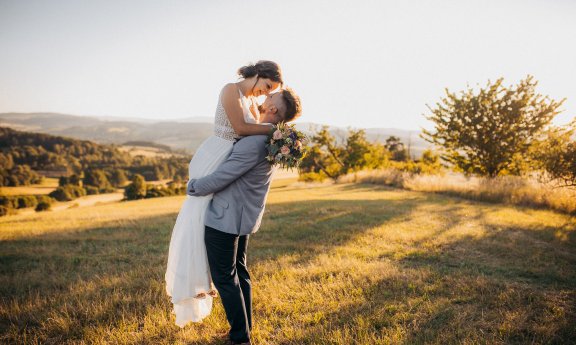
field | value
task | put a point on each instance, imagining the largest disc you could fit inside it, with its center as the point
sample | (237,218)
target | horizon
(364,65)
(200,119)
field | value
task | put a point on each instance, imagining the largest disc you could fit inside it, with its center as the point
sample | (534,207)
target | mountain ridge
(181,134)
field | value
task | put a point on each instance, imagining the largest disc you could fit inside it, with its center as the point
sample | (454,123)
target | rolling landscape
(185,134)
(422,191)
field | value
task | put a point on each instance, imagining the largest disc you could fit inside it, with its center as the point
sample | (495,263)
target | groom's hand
(190,187)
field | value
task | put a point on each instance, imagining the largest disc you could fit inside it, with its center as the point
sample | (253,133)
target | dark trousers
(227,260)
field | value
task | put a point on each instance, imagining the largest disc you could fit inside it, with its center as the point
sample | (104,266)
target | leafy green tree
(396,148)
(118,177)
(484,132)
(329,158)
(556,154)
(136,189)
(98,179)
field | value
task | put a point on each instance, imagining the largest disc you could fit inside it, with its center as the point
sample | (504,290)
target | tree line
(494,131)
(84,167)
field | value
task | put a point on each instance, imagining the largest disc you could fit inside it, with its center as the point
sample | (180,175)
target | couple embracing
(229,181)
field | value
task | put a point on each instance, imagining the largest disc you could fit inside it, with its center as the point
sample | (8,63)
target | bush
(4,211)
(136,189)
(91,190)
(67,193)
(312,177)
(161,191)
(44,198)
(43,206)
(26,201)
(107,190)
(8,202)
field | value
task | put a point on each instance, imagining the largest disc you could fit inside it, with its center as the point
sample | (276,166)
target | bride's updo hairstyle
(263,69)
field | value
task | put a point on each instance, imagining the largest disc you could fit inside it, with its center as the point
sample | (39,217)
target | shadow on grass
(40,275)
(121,269)
(510,286)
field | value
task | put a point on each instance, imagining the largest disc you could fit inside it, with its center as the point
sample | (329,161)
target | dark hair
(263,69)
(292,103)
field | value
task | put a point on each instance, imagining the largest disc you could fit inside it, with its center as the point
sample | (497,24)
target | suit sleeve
(245,155)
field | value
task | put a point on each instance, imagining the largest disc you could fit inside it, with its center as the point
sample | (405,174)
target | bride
(187,275)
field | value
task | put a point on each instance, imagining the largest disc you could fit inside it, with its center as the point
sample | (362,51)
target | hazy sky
(354,63)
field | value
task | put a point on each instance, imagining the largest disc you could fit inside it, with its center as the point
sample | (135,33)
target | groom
(240,186)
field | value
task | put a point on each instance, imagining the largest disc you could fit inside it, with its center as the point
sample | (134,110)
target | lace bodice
(222,126)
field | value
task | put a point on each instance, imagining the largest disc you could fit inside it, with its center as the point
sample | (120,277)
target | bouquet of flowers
(286,146)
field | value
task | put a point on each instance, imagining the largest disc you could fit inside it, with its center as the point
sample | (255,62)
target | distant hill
(27,153)
(185,134)
(177,135)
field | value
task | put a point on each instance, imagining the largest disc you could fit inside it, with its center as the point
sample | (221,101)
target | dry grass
(333,264)
(506,189)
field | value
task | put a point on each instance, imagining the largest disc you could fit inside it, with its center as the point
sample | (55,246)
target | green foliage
(97,178)
(325,155)
(25,201)
(397,150)
(70,180)
(22,154)
(91,190)
(18,175)
(156,191)
(490,131)
(428,164)
(556,154)
(43,206)
(136,189)
(117,177)
(44,203)
(67,193)
(312,177)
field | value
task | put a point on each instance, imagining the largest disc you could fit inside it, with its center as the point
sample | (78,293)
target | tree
(332,159)
(484,132)
(396,148)
(556,154)
(98,179)
(118,177)
(136,189)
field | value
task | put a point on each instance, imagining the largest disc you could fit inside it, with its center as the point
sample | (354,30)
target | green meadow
(331,264)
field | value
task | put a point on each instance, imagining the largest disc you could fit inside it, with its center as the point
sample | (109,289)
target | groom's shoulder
(253,144)
(253,141)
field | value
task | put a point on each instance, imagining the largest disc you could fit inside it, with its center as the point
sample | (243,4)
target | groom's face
(273,108)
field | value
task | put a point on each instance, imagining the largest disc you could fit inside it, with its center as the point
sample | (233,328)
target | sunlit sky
(354,63)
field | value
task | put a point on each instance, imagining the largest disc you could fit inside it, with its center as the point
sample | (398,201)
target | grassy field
(332,264)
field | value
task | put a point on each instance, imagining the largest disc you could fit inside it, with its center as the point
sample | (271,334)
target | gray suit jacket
(240,186)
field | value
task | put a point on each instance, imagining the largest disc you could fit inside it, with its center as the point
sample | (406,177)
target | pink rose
(285,150)
(277,135)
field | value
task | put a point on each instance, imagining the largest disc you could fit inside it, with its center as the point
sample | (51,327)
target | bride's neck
(246,86)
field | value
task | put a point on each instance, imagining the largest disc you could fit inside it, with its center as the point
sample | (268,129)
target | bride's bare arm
(233,106)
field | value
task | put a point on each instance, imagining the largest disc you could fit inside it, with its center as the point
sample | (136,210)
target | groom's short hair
(293,106)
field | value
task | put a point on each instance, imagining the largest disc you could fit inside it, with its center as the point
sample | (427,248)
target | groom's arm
(245,155)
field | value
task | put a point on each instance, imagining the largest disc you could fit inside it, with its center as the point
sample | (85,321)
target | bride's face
(264,86)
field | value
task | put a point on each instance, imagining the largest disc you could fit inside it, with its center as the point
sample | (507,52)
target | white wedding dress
(187,272)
